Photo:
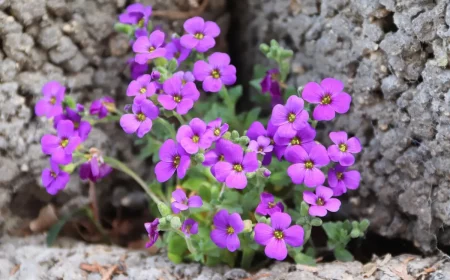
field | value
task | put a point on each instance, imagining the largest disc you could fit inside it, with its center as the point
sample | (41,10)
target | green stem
(179,118)
(188,241)
(122,167)
(222,190)
(168,126)
(247,258)
(227,100)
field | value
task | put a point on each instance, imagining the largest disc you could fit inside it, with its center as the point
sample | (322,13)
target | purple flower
(215,155)
(152,230)
(136,69)
(51,104)
(216,72)
(232,171)
(142,87)
(276,236)
(268,206)
(178,96)
(95,168)
(227,227)
(102,106)
(189,226)
(271,84)
(305,167)
(175,50)
(54,179)
(343,149)
(330,97)
(148,48)
(303,137)
(136,14)
(182,203)
(62,145)
(321,201)
(185,77)
(173,158)
(217,128)
(289,118)
(81,128)
(200,34)
(340,180)
(79,108)
(256,129)
(261,145)
(144,111)
(194,136)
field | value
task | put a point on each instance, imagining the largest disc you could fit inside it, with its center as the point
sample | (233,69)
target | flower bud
(264,48)
(199,157)
(244,140)
(250,175)
(163,209)
(175,223)
(316,222)
(227,135)
(266,172)
(248,226)
(234,135)
(155,75)
(300,90)
(69,168)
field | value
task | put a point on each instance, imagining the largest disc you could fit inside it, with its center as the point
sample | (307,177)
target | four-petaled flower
(189,226)
(173,158)
(261,145)
(276,236)
(227,228)
(330,97)
(136,14)
(257,129)
(194,136)
(62,145)
(200,34)
(81,128)
(142,87)
(51,104)
(270,83)
(303,137)
(185,76)
(148,48)
(305,167)
(216,72)
(233,170)
(95,168)
(144,111)
(152,231)
(289,118)
(102,106)
(182,203)
(343,149)
(216,155)
(340,179)
(175,50)
(54,179)
(136,69)
(217,128)
(178,96)
(267,205)
(321,201)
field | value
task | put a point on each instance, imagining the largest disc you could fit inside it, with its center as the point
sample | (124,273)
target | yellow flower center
(199,35)
(326,100)
(291,117)
(309,164)
(53,174)
(110,106)
(176,161)
(278,234)
(343,147)
(76,125)
(320,201)
(339,175)
(151,49)
(177,98)
(217,131)
(271,205)
(215,74)
(195,139)
(141,22)
(221,158)
(143,90)
(53,100)
(141,117)
(230,230)
(64,142)
(296,141)
(238,167)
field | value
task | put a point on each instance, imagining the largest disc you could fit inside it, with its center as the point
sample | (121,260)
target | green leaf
(252,116)
(331,230)
(288,92)
(175,223)
(124,28)
(172,66)
(205,193)
(234,93)
(54,231)
(70,102)
(301,258)
(304,208)
(176,248)
(279,178)
(355,233)
(256,84)
(316,222)
(364,225)
(343,255)
(164,210)
(160,62)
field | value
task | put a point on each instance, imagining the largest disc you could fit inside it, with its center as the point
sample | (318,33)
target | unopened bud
(248,226)
(199,157)
(234,135)
(164,210)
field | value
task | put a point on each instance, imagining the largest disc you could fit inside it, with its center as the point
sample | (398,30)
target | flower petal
(263,233)
(144,128)
(331,85)
(280,221)
(293,236)
(312,92)
(297,173)
(195,201)
(222,170)
(341,102)
(276,249)
(294,104)
(324,113)
(309,197)
(194,25)
(184,106)
(256,129)
(221,219)
(314,177)
(202,70)
(317,211)
(129,123)
(168,150)
(296,154)
(352,179)
(189,41)
(164,170)
(324,192)
(338,137)
(333,204)
(236,222)
(236,180)
(250,162)
(218,59)
(205,44)
(185,162)
(211,84)
(319,156)
(211,29)
(353,145)
(179,196)
(219,237)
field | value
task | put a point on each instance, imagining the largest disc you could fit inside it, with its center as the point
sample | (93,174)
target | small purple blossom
(267,205)
(216,72)
(189,226)
(178,96)
(102,106)
(136,69)
(142,87)
(62,145)
(148,48)
(227,228)
(175,50)
(81,128)
(185,76)
(173,158)
(340,179)
(54,179)
(276,236)
(194,136)
(217,128)
(144,111)
(303,137)
(51,104)
(343,149)
(182,203)
(95,168)
(200,34)
(136,14)
(216,155)
(271,84)
(330,97)
(305,167)
(289,118)
(233,170)
(261,145)
(321,201)
(257,129)
(152,231)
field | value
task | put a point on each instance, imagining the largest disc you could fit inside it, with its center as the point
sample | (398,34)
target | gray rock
(49,36)
(28,12)
(8,70)
(64,51)
(18,46)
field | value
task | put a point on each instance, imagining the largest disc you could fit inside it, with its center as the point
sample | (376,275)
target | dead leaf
(306,268)
(369,269)
(14,270)
(46,218)
(109,273)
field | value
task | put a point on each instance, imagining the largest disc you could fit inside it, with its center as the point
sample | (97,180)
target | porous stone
(28,12)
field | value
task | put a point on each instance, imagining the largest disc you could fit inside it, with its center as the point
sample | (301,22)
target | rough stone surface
(393,58)
(30,258)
